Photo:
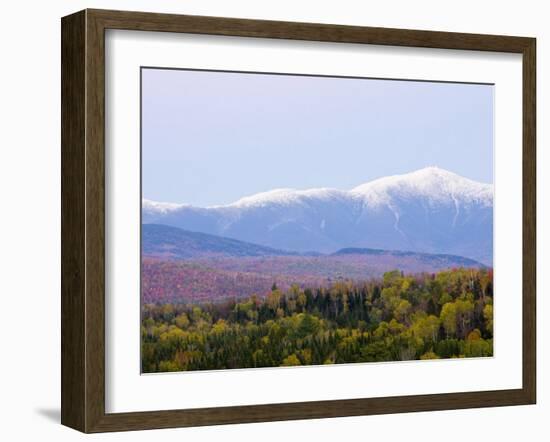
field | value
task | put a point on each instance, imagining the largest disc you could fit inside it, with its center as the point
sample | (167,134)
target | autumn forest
(397,317)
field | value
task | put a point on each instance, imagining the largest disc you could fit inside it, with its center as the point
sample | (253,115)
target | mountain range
(430,210)
(167,242)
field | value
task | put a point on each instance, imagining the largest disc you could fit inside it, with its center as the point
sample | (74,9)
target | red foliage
(188,281)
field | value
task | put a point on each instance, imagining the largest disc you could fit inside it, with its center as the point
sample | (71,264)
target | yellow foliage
(429,355)
(290,361)
(474,335)
(220,327)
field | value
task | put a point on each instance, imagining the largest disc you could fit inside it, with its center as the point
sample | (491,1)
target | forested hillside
(394,318)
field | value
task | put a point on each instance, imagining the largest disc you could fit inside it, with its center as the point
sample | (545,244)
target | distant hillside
(339,266)
(183,266)
(175,243)
(165,280)
(432,258)
(215,279)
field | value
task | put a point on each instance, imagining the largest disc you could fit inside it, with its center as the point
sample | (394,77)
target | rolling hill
(171,242)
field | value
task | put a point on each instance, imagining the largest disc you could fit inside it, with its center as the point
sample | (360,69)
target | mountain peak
(433,183)
(434,171)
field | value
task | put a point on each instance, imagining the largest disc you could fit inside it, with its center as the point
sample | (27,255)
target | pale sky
(211,138)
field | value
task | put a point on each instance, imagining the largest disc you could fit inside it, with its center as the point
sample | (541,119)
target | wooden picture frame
(83,220)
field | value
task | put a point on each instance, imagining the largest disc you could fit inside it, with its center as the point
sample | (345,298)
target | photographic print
(292,220)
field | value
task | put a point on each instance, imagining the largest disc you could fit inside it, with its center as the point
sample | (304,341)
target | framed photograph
(267,220)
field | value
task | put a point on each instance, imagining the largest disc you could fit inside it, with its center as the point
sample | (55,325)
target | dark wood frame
(83,217)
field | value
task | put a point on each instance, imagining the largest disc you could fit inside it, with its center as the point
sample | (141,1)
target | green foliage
(399,317)
(488,316)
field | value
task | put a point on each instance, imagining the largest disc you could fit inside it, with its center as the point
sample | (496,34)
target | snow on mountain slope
(430,210)
(154,207)
(287,197)
(432,183)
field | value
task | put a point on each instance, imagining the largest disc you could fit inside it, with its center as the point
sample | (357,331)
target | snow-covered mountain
(430,210)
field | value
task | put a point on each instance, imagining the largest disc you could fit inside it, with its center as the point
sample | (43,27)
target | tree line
(397,317)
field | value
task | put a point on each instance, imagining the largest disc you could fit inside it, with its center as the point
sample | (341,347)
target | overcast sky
(213,137)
